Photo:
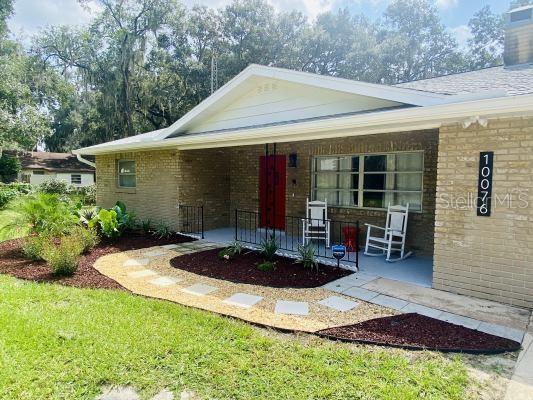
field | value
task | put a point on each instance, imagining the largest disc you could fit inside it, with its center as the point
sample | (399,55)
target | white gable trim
(407,119)
(391,93)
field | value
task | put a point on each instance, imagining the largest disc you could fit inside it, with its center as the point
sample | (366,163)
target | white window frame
(361,173)
(119,174)
(71,179)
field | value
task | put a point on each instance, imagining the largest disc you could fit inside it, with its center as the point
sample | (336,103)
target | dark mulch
(12,261)
(243,269)
(421,332)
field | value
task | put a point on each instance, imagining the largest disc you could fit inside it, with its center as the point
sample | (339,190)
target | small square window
(75,179)
(35,172)
(126,174)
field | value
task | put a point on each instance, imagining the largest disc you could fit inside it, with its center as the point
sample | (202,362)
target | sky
(32,15)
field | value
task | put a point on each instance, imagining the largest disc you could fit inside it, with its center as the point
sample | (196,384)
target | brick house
(361,146)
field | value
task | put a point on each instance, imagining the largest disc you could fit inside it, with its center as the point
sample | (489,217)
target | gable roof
(513,81)
(402,100)
(56,162)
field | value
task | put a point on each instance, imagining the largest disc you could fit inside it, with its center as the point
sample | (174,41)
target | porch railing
(248,229)
(191,220)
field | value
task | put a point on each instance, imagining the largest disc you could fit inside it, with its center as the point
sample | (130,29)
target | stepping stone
(338,303)
(164,281)
(459,320)
(360,293)
(199,289)
(119,393)
(164,395)
(422,310)
(139,262)
(389,301)
(243,300)
(143,273)
(292,307)
(169,246)
(155,253)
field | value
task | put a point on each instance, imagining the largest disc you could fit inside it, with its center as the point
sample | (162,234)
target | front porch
(417,269)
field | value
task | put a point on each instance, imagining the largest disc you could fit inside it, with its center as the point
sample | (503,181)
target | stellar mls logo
(515,199)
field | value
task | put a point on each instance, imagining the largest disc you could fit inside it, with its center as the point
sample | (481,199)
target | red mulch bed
(12,261)
(243,269)
(414,331)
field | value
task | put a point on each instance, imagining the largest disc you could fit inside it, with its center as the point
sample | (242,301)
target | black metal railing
(290,234)
(191,220)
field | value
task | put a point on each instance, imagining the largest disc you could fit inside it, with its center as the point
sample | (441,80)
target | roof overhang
(398,120)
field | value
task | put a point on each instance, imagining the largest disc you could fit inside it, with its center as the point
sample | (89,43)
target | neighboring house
(39,166)
(361,146)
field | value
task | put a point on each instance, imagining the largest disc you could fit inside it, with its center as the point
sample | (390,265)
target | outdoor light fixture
(293,160)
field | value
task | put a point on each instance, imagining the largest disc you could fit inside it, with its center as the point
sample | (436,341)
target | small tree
(9,168)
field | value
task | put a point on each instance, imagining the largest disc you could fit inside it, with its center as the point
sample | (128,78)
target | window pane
(414,200)
(349,198)
(374,181)
(349,164)
(329,195)
(407,181)
(326,180)
(374,199)
(348,181)
(126,167)
(409,162)
(375,163)
(327,164)
(126,180)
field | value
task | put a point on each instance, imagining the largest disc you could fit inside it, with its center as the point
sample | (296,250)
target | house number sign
(484,186)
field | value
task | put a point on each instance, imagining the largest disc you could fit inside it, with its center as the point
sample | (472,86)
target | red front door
(272,180)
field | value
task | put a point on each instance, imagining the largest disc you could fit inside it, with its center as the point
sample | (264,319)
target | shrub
(230,252)
(33,247)
(54,186)
(108,223)
(87,194)
(267,266)
(146,226)
(162,231)
(9,168)
(63,257)
(112,222)
(11,191)
(268,248)
(306,256)
(87,236)
(44,213)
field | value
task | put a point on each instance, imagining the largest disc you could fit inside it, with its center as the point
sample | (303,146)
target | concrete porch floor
(417,270)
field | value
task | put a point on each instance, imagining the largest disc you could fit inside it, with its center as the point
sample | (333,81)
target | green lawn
(59,342)
(5,218)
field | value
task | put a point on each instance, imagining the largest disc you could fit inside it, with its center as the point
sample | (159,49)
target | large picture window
(126,174)
(369,180)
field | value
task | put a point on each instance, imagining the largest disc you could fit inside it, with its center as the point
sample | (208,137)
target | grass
(5,219)
(66,343)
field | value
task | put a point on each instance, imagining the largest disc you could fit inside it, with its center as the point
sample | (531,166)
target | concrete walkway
(483,315)
(521,385)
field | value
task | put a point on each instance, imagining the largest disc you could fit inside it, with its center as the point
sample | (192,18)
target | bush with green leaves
(87,194)
(88,237)
(162,231)
(233,250)
(306,256)
(145,226)
(33,246)
(54,186)
(108,223)
(11,191)
(268,248)
(111,222)
(9,168)
(267,266)
(63,256)
(43,213)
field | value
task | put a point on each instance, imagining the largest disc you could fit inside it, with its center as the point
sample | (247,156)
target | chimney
(518,46)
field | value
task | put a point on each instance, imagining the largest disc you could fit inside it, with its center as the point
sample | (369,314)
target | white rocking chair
(316,224)
(393,238)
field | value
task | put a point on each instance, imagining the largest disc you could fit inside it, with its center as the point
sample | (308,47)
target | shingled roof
(514,80)
(58,162)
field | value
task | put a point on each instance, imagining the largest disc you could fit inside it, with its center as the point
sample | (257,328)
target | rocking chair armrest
(375,226)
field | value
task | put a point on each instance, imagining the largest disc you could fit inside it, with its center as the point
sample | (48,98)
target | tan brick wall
(244,178)
(487,257)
